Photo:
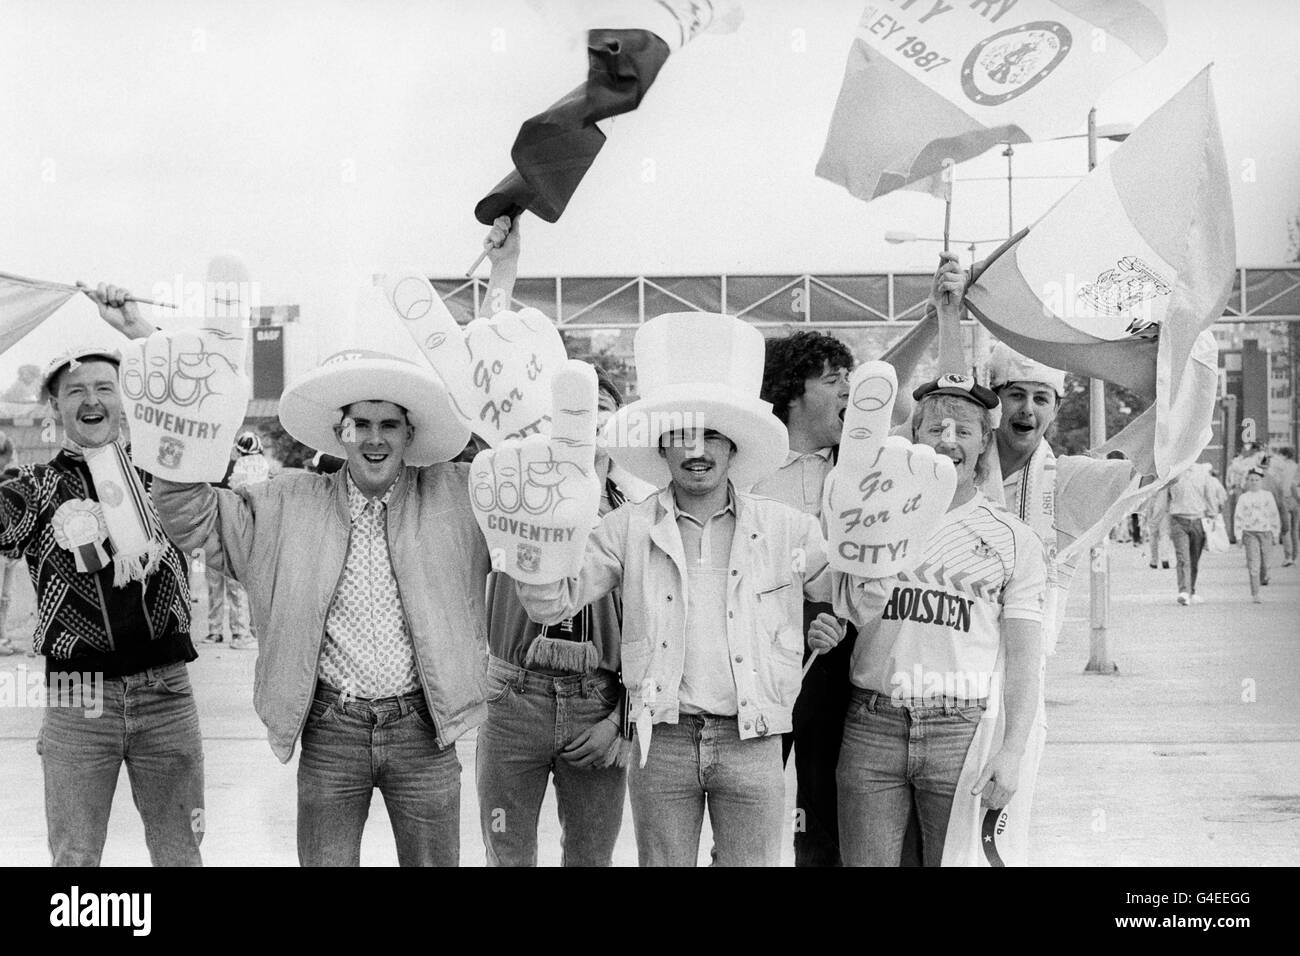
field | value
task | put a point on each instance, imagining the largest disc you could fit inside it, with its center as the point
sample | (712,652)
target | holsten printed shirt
(941,625)
(368,651)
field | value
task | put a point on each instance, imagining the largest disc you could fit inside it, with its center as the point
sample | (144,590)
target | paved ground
(1190,756)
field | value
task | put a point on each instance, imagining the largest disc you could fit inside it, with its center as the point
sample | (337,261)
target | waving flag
(555,148)
(929,79)
(1121,280)
(26,303)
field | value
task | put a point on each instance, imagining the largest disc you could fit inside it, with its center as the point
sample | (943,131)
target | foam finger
(482,480)
(573,414)
(535,463)
(872,390)
(508,479)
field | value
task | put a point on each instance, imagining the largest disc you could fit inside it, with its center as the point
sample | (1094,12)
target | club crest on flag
(1120,291)
(1007,64)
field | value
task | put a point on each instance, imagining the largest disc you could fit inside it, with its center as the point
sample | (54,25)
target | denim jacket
(286,540)
(778,557)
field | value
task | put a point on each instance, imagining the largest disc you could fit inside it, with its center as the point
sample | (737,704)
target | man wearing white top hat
(713,583)
(367,591)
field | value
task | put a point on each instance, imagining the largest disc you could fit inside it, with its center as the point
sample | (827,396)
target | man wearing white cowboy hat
(713,583)
(367,592)
(114,619)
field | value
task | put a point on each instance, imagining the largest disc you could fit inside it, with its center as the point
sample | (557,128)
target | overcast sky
(325,141)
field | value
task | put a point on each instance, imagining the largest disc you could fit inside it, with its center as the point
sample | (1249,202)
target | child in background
(1258,525)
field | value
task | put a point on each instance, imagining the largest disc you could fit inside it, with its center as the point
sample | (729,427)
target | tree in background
(617,367)
(1069,434)
(283,448)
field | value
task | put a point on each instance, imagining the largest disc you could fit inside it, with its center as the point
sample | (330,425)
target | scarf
(1037,508)
(574,653)
(126,517)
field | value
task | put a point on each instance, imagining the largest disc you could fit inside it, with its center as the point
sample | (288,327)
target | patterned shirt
(1257,511)
(368,652)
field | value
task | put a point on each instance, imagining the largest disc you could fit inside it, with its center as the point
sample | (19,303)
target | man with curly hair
(806,378)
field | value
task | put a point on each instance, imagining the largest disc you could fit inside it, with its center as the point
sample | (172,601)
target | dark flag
(554,149)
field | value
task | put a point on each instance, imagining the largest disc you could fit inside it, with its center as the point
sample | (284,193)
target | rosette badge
(79,527)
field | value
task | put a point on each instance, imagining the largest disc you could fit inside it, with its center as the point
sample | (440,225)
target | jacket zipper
(320,642)
(410,632)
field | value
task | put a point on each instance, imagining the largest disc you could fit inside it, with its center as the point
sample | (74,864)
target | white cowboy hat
(698,370)
(313,405)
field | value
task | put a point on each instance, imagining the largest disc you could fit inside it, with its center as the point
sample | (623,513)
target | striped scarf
(135,532)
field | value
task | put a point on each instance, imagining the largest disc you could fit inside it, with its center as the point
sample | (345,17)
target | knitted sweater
(84,622)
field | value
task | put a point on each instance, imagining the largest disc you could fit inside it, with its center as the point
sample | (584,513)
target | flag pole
(949,174)
(469,273)
(82,287)
(1099,660)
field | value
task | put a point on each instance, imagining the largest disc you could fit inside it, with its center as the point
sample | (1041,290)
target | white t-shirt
(941,626)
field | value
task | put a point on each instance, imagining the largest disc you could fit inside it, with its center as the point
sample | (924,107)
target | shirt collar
(823,453)
(357,499)
(670,504)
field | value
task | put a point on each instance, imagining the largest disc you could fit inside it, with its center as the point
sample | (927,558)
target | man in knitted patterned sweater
(113,620)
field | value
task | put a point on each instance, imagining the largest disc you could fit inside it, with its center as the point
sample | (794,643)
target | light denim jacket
(778,557)
(286,540)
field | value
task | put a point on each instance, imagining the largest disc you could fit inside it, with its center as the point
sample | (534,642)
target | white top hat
(698,370)
(313,405)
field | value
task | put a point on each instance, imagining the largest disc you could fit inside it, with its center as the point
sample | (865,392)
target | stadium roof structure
(1267,293)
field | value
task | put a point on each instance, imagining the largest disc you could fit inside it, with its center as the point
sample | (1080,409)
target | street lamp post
(1099,659)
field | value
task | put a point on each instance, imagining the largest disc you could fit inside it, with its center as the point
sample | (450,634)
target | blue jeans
(224,590)
(530,718)
(702,759)
(349,748)
(890,759)
(1188,536)
(147,720)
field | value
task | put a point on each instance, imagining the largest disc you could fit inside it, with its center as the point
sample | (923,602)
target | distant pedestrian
(1156,512)
(1258,525)
(1282,476)
(1192,498)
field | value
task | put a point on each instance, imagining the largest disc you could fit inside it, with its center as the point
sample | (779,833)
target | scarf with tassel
(134,532)
(576,654)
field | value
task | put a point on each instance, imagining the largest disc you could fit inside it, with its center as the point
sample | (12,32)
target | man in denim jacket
(713,583)
(367,590)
